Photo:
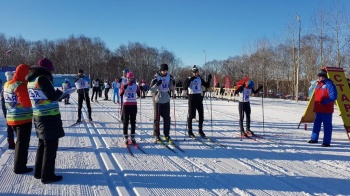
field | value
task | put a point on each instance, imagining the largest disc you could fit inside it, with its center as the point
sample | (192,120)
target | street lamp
(298,63)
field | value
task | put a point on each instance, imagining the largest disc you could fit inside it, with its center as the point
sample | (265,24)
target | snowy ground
(93,160)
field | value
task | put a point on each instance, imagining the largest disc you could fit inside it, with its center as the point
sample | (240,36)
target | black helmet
(195,69)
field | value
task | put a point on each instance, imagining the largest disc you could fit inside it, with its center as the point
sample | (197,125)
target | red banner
(227,82)
(244,80)
(215,80)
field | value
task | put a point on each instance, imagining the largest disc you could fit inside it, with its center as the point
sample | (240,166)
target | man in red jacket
(325,95)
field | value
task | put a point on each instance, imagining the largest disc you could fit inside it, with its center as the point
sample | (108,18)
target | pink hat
(130,75)
(44,62)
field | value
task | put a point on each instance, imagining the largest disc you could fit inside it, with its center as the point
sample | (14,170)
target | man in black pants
(244,92)
(82,86)
(194,84)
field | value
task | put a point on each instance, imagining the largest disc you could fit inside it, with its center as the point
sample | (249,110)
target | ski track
(241,168)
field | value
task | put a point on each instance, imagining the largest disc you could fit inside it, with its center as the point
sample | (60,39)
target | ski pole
(262,107)
(140,116)
(174,113)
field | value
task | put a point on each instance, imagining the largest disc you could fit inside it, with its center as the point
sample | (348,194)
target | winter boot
(11,143)
(52,179)
(312,142)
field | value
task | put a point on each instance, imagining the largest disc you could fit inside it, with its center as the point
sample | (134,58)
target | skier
(95,89)
(123,80)
(325,96)
(130,89)
(116,86)
(19,116)
(66,86)
(161,87)
(107,86)
(244,92)
(83,94)
(144,88)
(47,119)
(10,131)
(194,84)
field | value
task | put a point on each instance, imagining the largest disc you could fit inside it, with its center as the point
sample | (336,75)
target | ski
(215,142)
(76,123)
(248,137)
(201,141)
(172,143)
(129,150)
(261,137)
(161,142)
(139,148)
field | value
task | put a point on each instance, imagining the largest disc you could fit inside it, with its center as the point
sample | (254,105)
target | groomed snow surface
(94,161)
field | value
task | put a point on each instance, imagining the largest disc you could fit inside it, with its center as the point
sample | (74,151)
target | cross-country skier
(66,86)
(115,87)
(244,91)
(82,86)
(194,84)
(161,87)
(129,91)
(95,89)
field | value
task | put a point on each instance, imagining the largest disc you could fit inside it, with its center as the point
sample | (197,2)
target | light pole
(298,63)
(205,62)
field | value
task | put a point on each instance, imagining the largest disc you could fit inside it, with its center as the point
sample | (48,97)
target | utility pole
(298,64)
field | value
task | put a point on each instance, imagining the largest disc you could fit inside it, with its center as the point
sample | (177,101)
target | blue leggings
(116,93)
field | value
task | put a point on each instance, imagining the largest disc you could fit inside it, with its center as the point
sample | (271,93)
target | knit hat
(9,75)
(164,67)
(322,73)
(130,75)
(44,62)
(250,84)
(125,71)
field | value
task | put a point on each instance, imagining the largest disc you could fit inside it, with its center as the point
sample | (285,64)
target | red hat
(44,62)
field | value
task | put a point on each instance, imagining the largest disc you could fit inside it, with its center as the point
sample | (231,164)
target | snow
(93,160)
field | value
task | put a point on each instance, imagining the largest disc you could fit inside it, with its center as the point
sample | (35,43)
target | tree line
(271,62)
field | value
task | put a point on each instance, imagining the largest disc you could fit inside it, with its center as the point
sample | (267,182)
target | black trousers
(161,110)
(22,144)
(106,93)
(45,158)
(95,91)
(129,114)
(244,107)
(195,103)
(83,97)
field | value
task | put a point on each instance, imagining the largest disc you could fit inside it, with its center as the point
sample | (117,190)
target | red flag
(8,52)
(227,82)
(215,80)
(244,80)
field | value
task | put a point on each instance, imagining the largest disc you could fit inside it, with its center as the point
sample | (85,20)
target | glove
(193,78)
(120,80)
(244,85)
(209,77)
(159,82)
(260,86)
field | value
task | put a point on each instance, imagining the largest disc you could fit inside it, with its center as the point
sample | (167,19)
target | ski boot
(201,133)
(191,135)
(249,132)
(133,141)
(156,139)
(125,140)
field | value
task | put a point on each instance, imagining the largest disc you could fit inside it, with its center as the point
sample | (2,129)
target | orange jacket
(22,71)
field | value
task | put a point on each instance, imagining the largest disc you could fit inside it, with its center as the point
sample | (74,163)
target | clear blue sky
(186,27)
